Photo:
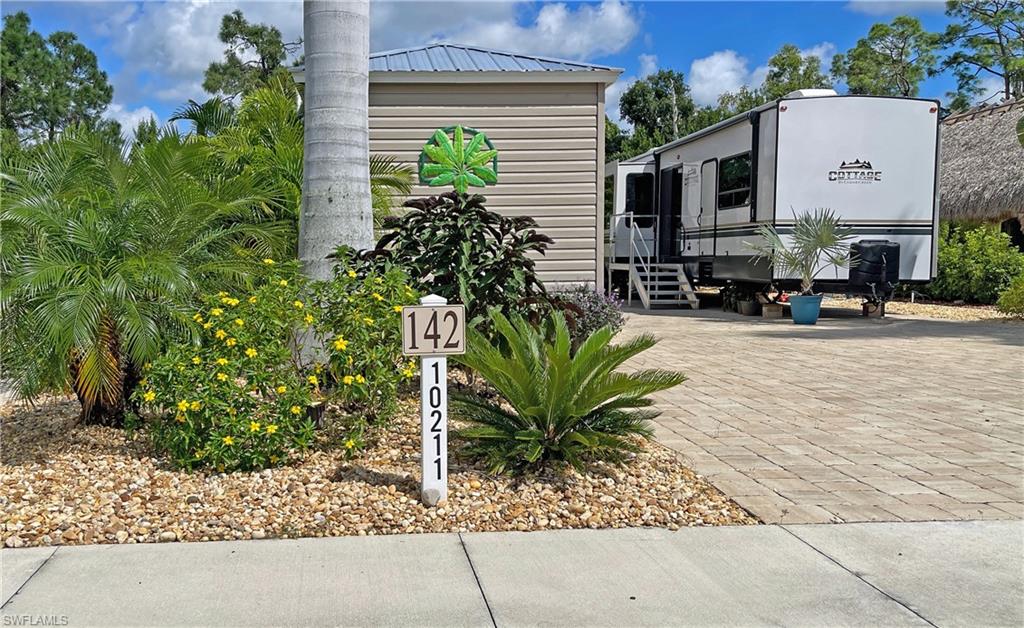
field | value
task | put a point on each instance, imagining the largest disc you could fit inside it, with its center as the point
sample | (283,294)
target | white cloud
(895,7)
(648,65)
(991,90)
(129,118)
(726,71)
(581,33)
(720,72)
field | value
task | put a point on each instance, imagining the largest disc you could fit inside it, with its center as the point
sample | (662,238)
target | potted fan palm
(818,242)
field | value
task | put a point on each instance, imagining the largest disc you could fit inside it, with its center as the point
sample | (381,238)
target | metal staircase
(661,284)
(656,283)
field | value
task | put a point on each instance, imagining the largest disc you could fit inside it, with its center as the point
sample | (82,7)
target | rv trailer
(684,213)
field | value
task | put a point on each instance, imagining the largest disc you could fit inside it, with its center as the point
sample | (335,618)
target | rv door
(708,204)
(634,210)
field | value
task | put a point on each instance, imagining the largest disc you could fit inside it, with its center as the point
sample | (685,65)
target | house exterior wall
(550,142)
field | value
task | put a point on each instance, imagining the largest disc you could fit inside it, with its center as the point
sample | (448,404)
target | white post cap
(433,299)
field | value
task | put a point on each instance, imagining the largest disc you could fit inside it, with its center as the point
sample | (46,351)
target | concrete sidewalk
(871,574)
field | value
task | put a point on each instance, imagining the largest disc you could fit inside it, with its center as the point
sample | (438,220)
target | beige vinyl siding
(548,136)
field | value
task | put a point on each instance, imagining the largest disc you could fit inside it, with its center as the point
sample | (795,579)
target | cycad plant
(457,163)
(103,253)
(556,405)
(818,241)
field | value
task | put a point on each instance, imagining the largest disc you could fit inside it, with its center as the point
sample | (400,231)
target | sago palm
(105,250)
(556,404)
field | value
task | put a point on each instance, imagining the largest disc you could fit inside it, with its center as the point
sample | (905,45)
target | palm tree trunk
(336,205)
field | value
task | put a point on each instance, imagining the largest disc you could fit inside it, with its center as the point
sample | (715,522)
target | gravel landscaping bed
(63,485)
(929,310)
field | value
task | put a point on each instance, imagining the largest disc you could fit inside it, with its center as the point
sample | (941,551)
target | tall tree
(659,105)
(988,37)
(48,84)
(891,61)
(336,203)
(788,70)
(255,52)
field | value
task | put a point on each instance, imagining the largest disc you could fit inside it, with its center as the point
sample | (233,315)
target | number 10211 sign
(433,330)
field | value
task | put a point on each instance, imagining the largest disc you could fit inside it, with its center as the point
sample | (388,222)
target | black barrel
(875,269)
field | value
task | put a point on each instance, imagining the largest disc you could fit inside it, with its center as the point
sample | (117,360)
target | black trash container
(875,269)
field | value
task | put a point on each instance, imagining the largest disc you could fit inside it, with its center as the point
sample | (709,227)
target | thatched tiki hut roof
(983,164)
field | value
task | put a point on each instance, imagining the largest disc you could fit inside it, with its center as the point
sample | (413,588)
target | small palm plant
(818,242)
(455,163)
(556,405)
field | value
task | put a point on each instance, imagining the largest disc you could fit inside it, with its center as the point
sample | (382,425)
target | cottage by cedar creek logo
(856,171)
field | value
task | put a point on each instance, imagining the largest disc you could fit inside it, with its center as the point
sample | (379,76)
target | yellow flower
(222,377)
(230,301)
(352,273)
(349,444)
(312,380)
(340,344)
(198,318)
(281,390)
(397,308)
(147,366)
(271,428)
(216,311)
(283,282)
(200,453)
(231,342)
(232,412)
(239,322)
(251,352)
(377,296)
(298,304)
(268,261)
(360,379)
(207,325)
(378,280)
(347,380)
(252,299)
(195,405)
(143,382)
(254,426)
(222,361)
(228,440)
(182,406)
(274,459)
(222,294)
(197,360)
(149,395)
(368,320)
(408,373)
(296,410)
(309,319)
(220,334)
(180,418)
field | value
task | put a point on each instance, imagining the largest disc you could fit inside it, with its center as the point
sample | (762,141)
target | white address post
(433,330)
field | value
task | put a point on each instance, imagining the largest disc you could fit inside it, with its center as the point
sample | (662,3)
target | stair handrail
(644,256)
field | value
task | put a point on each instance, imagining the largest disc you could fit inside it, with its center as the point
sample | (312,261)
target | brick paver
(850,420)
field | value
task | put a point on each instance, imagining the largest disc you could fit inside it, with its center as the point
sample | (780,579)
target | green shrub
(975,264)
(453,246)
(556,405)
(591,310)
(360,326)
(1011,301)
(238,400)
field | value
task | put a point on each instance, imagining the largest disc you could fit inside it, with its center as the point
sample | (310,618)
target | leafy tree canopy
(254,54)
(49,83)
(891,61)
(788,71)
(989,39)
(658,105)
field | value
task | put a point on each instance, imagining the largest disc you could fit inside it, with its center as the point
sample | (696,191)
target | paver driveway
(850,420)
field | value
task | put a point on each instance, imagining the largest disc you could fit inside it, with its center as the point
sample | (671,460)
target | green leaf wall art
(452,161)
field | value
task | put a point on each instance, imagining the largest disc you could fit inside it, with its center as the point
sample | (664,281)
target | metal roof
(456,58)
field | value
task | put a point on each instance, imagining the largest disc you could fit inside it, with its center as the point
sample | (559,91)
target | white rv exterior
(871,160)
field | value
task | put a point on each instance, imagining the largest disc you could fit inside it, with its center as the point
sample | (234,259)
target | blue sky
(155,52)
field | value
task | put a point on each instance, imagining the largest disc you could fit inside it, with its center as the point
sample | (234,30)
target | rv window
(734,181)
(640,197)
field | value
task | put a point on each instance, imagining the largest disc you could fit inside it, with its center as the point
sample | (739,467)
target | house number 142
(433,330)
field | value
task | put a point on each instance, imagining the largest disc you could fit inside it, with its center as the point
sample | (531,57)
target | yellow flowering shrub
(360,324)
(237,399)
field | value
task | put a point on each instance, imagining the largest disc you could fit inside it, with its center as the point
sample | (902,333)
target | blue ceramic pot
(805,309)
